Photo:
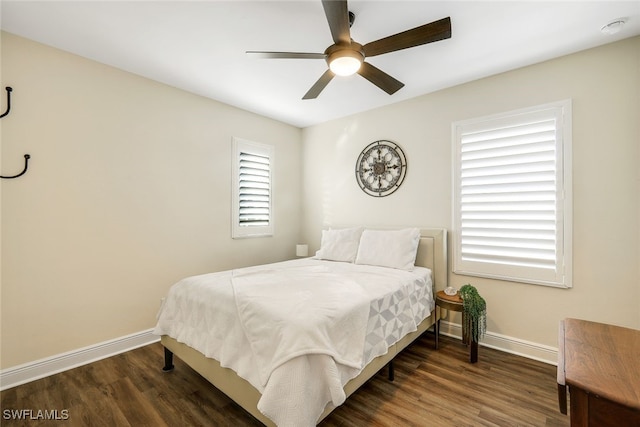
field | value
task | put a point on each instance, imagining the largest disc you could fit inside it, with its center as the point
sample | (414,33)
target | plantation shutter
(510,201)
(252,204)
(254,190)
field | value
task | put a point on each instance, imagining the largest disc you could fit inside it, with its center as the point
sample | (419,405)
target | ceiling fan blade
(318,86)
(286,55)
(379,78)
(337,14)
(428,33)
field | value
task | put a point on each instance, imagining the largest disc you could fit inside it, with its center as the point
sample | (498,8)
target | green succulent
(475,309)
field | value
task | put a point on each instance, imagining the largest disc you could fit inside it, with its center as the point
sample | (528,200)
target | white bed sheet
(211,313)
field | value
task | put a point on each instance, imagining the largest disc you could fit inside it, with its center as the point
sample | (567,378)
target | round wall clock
(381,168)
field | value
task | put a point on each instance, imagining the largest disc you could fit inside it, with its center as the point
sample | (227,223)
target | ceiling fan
(346,57)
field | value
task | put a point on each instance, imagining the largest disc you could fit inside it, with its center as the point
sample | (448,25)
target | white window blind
(512,204)
(252,189)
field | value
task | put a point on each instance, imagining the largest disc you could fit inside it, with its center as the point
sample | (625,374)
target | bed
(263,347)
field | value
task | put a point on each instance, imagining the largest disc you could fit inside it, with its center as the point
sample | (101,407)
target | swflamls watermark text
(35,414)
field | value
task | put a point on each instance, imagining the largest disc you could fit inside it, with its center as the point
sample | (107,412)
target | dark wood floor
(431,388)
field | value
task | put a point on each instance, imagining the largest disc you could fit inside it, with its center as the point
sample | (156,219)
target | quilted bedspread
(297,330)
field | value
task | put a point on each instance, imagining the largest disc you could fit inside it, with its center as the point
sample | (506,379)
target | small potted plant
(474,309)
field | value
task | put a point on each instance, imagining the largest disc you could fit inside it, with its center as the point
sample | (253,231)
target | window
(512,196)
(252,213)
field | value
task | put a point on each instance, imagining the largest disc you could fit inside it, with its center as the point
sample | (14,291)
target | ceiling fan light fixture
(345,62)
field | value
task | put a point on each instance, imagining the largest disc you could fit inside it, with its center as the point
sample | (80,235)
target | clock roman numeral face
(381,168)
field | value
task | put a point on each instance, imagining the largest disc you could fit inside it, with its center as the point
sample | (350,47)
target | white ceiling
(199,46)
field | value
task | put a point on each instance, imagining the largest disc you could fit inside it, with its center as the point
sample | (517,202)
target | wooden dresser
(600,364)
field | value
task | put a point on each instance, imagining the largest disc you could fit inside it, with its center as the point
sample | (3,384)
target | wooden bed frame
(432,253)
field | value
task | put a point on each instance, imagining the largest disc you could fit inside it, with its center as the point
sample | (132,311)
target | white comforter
(288,325)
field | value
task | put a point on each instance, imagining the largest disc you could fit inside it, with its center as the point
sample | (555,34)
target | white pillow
(339,245)
(389,248)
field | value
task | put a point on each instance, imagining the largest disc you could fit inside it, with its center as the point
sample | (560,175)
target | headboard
(432,253)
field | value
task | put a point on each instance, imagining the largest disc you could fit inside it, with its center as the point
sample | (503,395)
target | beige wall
(128,190)
(604,84)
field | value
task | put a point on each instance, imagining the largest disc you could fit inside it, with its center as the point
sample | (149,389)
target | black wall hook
(8,89)
(26,156)
(26,165)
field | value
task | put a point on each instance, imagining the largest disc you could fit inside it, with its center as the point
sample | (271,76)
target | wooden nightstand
(454,303)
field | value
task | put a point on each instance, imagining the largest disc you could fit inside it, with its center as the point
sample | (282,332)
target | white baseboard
(28,372)
(31,371)
(531,350)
